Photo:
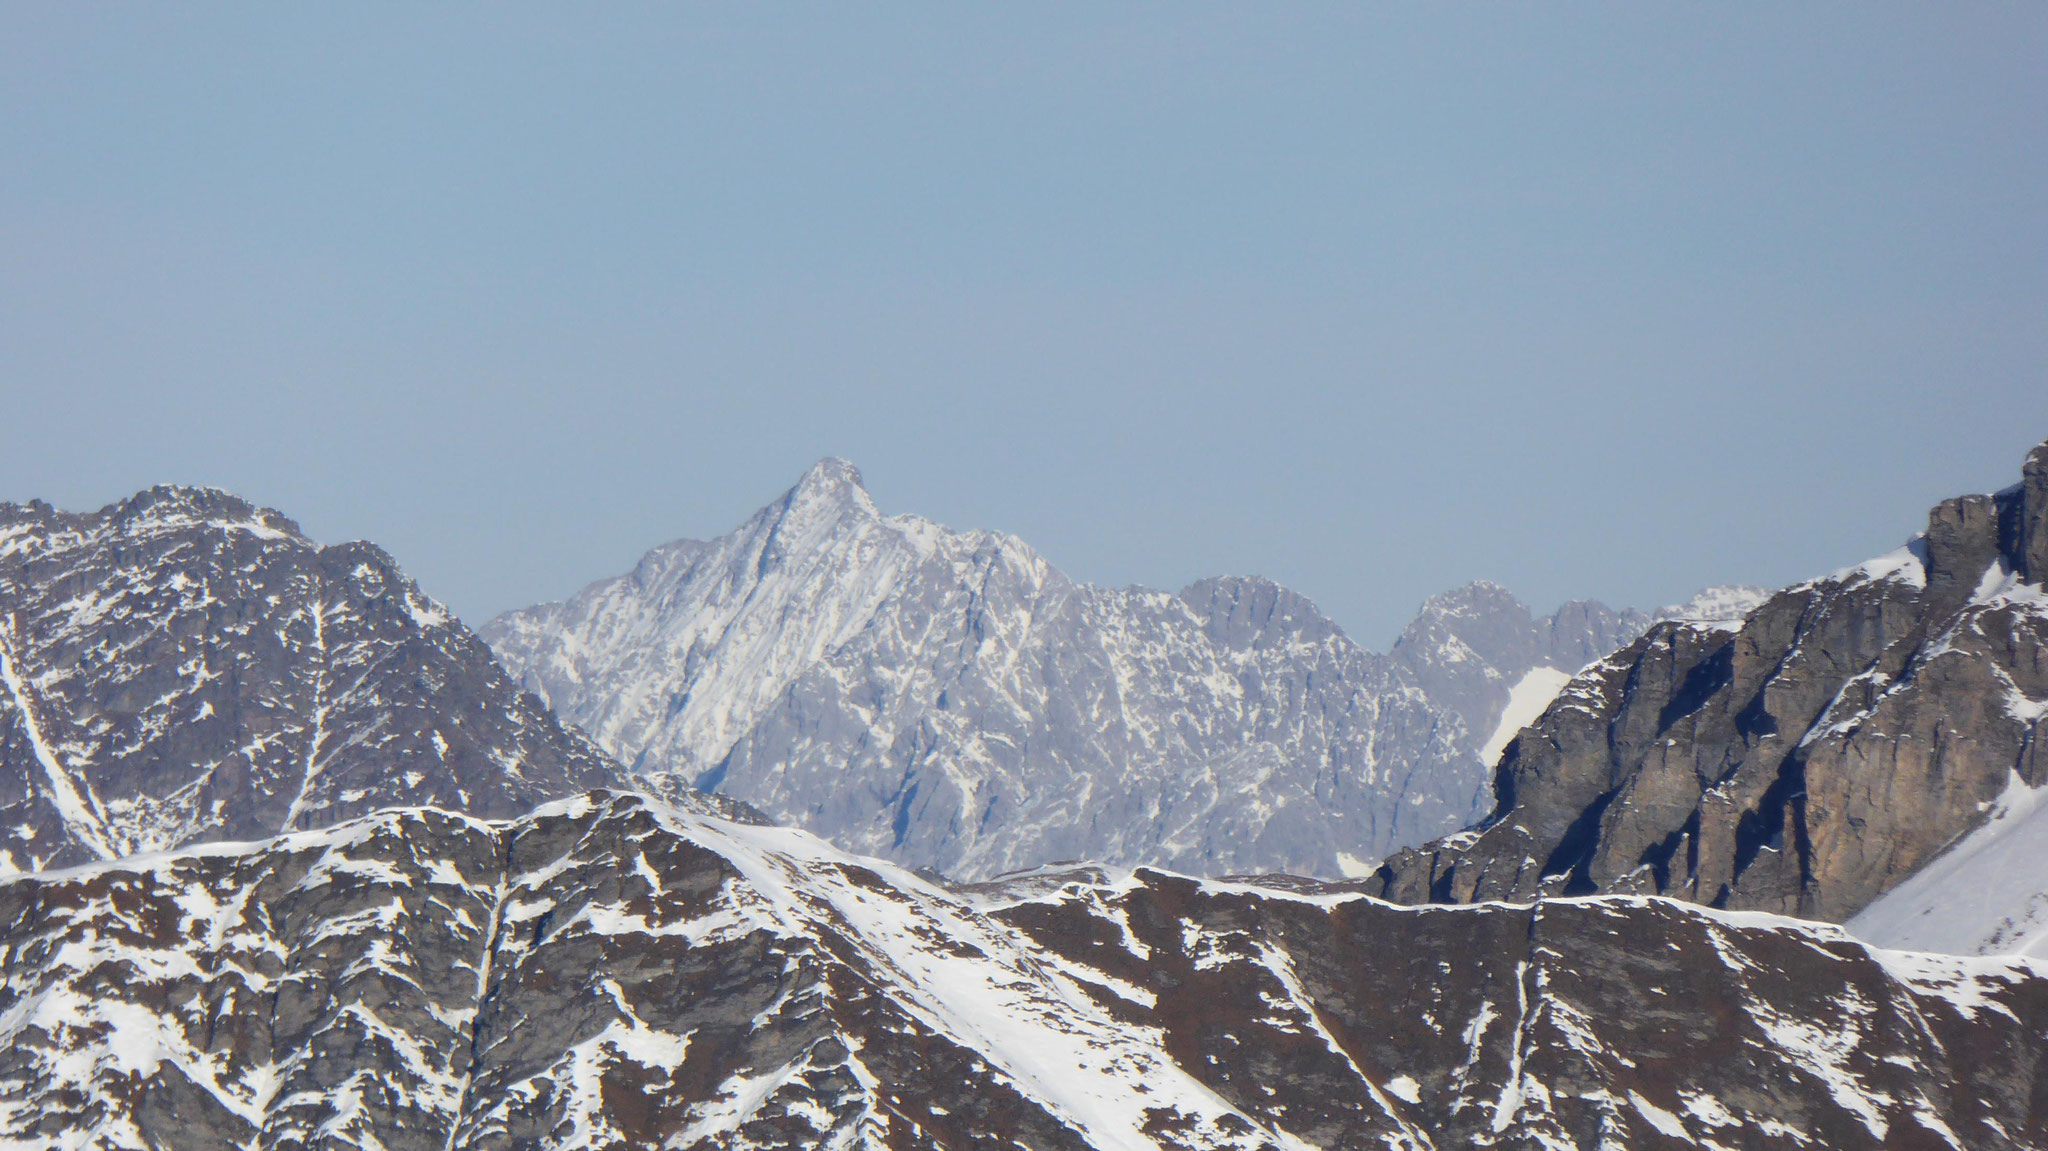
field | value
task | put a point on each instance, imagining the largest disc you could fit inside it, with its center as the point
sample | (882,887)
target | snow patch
(1526,701)
(1351,867)
(1987,895)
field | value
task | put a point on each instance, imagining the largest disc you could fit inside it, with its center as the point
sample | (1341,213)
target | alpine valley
(293,862)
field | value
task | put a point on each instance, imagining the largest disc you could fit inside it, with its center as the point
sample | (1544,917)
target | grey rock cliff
(1804,760)
(183,666)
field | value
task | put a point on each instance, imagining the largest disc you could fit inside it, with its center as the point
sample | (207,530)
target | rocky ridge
(951,700)
(612,972)
(1804,759)
(183,666)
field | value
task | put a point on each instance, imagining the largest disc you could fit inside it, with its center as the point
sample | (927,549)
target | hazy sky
(1372,299)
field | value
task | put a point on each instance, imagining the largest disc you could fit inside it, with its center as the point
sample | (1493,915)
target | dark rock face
(184,666)
(2024,531)
(609,972)
(1803,762)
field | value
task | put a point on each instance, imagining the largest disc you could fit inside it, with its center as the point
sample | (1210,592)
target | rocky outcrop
(951,700)
(1802,760)
(183,666)
(610,972)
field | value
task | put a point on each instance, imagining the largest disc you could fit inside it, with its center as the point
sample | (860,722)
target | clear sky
(1374,299)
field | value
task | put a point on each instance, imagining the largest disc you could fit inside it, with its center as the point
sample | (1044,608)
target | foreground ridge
(611,971)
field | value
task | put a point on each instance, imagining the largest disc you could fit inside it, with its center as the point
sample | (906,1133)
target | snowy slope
(612,972)
(1987,895)
(184,666)
(950,699)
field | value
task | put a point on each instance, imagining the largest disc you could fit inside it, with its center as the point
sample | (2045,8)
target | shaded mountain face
(1804,759)
(949,699)
(610,972)
(184,666)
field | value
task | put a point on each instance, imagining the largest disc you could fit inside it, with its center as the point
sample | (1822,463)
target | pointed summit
(830,483)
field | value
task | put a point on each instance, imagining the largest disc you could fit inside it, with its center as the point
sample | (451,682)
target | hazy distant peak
(163,507)
(1242,612)
(1725,604)
(830,483)
(1478,598)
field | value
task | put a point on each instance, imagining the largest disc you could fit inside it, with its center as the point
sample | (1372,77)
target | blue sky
(1608,301)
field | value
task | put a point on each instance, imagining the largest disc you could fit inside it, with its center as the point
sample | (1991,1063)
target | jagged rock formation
(183,666)
(949,699)
(609,972)
(1805,759)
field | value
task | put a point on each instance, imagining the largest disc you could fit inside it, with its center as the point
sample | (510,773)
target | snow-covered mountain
(949,699)
(183,666)
(1866,744)
(610,972)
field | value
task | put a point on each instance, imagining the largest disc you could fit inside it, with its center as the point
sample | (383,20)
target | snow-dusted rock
(949,699)
(613,972)
(183,666)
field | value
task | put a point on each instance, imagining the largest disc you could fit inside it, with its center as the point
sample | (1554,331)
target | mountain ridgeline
(951,700)
(608,972)
(1805,759)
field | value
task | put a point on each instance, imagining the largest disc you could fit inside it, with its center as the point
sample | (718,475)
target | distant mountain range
(951,700)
